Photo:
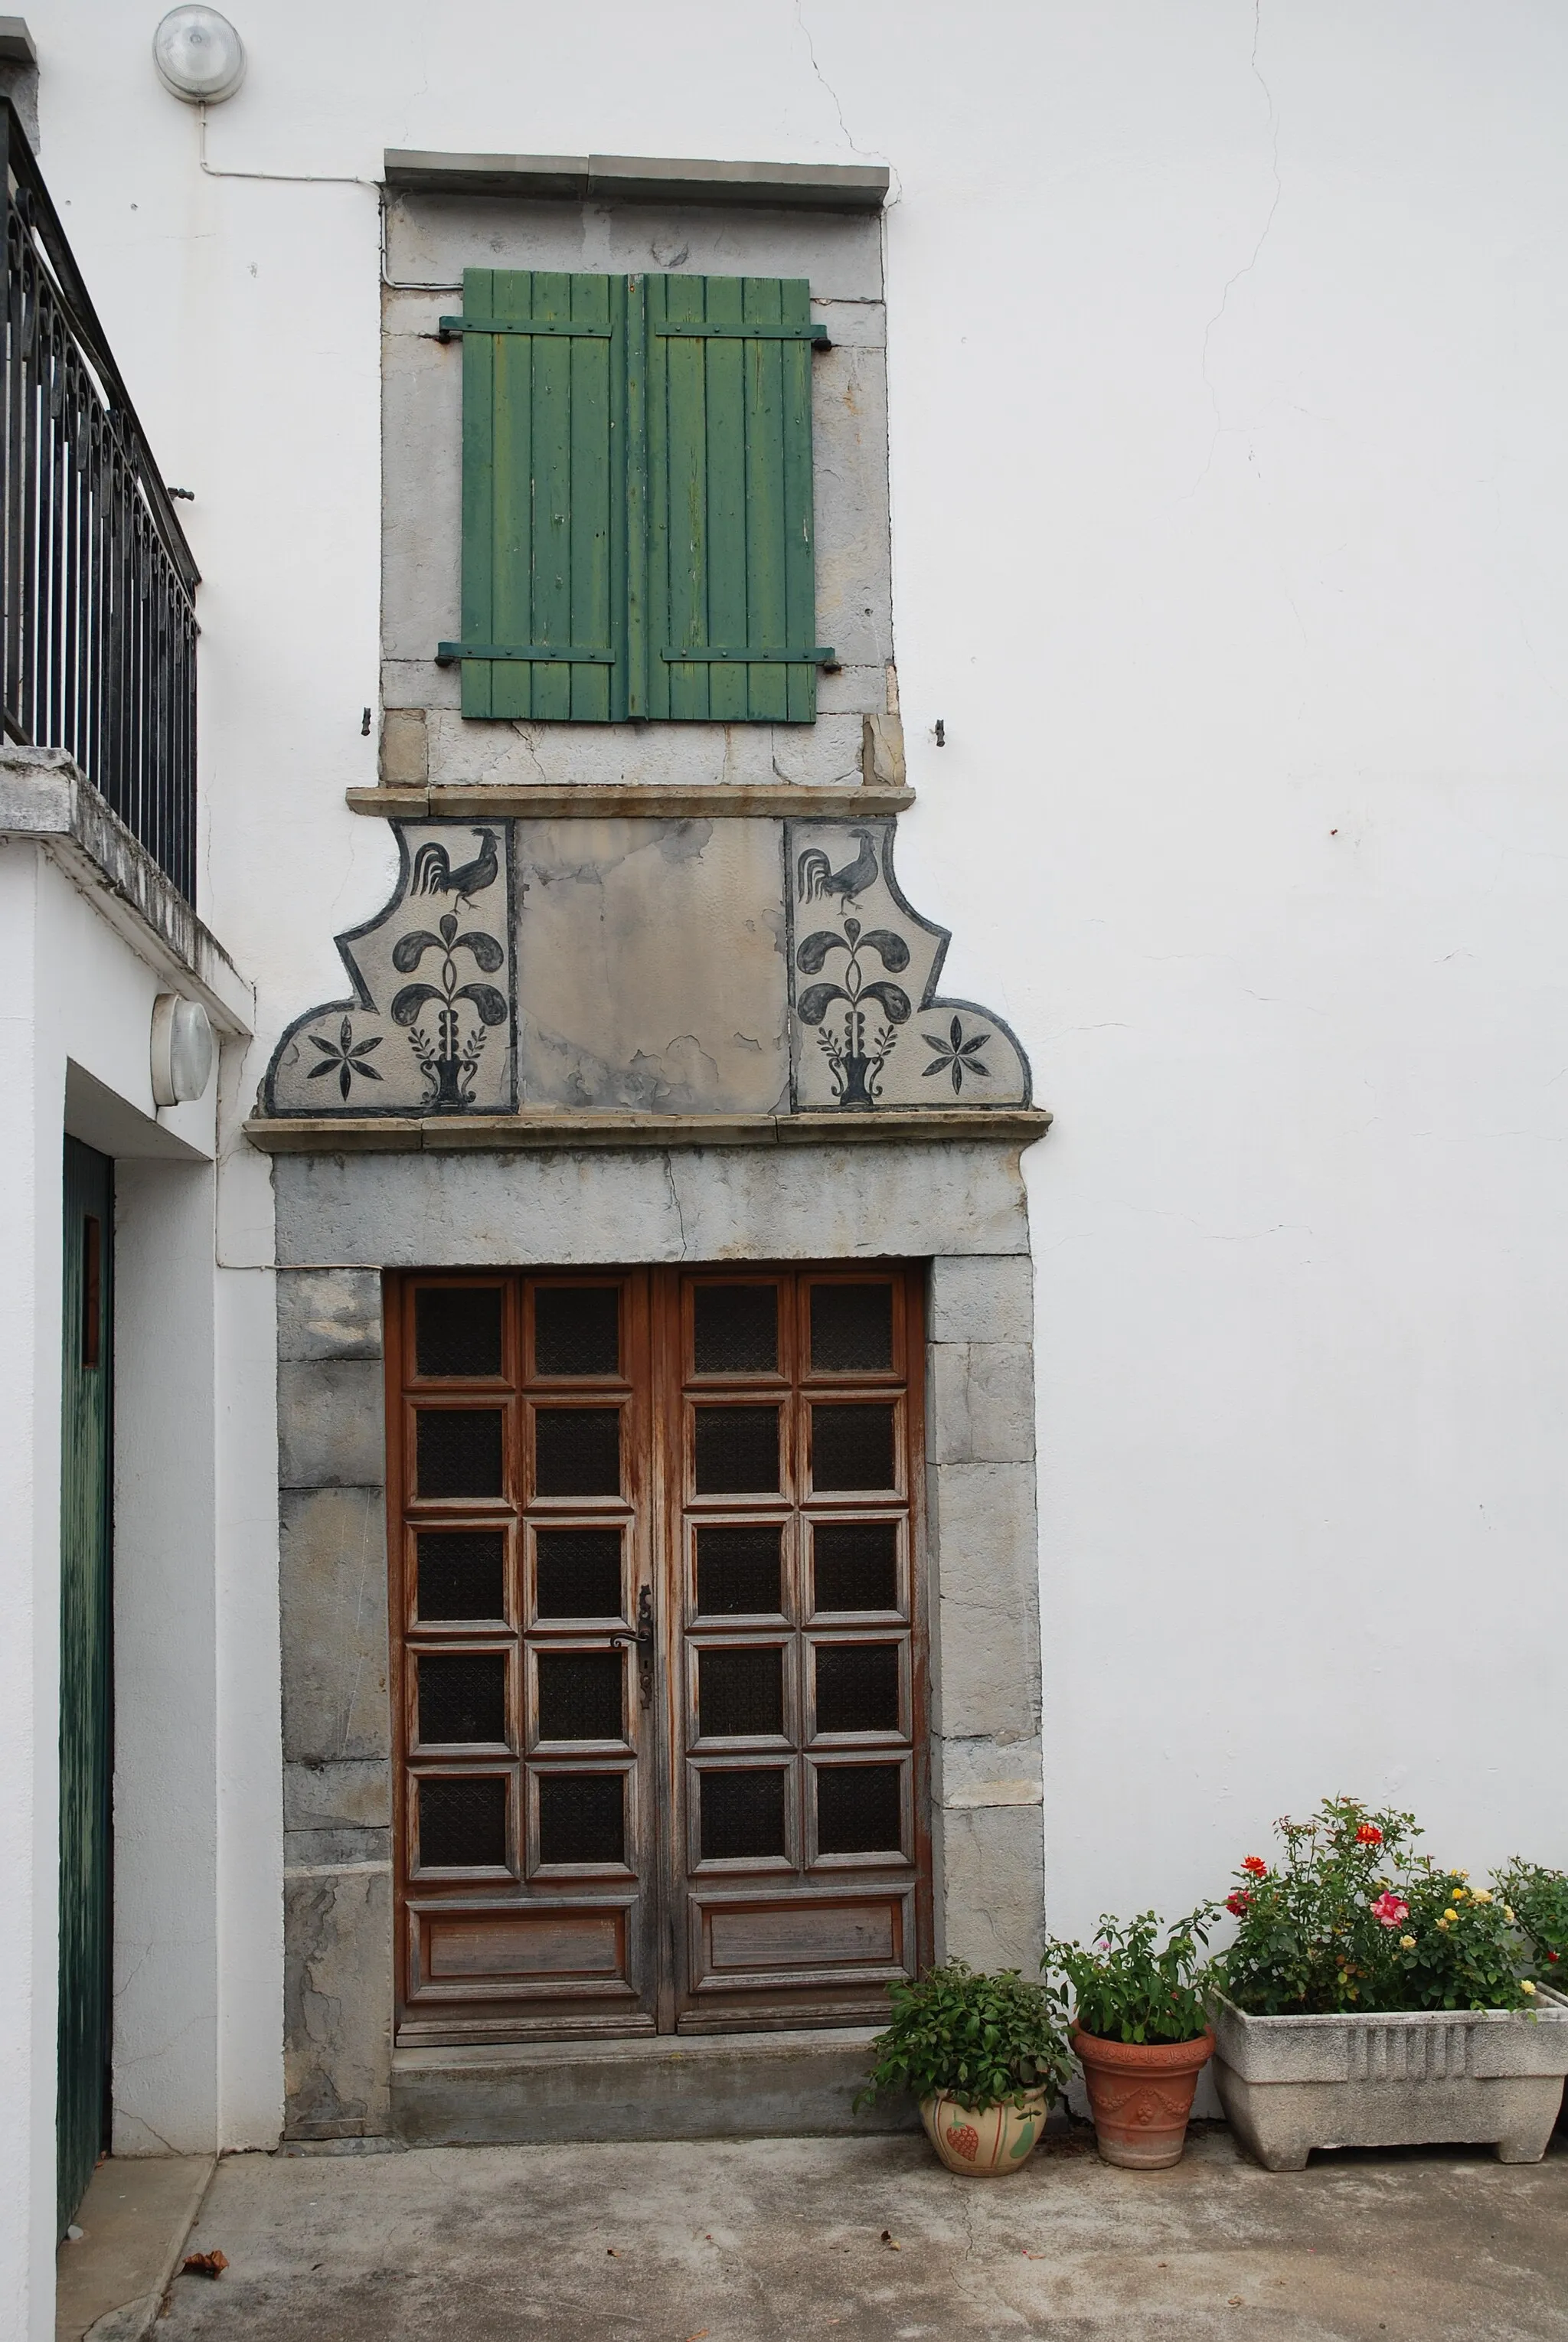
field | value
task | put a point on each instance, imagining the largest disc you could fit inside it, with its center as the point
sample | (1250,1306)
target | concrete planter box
(1289,2083)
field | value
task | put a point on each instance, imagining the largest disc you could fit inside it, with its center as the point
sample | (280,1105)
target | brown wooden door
(660,1652)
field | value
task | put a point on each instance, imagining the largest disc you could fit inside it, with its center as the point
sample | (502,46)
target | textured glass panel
(743,1816)
(579,1695)
(576,1329)
(739,1570)
(582,1817)
(577,1451)
(858,1809)
(737,1450)
(461,1573)
(739,1693)
(457,1329)
(458,1452)
(851,1446)
(856,1565)
(462,1696)
(851,1328)
(857,1687)
(735,1329)
(462,1824)
(578,1573)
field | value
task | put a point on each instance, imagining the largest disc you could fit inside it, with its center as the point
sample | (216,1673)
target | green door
(86,1483)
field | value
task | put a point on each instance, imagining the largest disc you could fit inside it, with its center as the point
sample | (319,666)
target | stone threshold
(666,2086)
(650,801)
(1015,1127)
(128,2236)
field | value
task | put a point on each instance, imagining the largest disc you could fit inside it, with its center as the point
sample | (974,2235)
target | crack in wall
(1247,268)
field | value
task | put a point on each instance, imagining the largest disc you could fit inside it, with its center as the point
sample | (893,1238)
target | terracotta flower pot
(1141,2093)
(984,2146)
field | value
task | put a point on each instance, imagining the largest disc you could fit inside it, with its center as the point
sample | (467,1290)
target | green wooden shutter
(731,563)
(543,511)
(637,498)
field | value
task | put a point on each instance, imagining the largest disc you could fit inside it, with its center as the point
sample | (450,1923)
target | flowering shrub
(1122,1989)
(1353,1919)
(1540,1896)
(984,2037)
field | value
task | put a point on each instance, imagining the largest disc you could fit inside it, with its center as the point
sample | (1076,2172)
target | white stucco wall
(1228,350)
(196,2056)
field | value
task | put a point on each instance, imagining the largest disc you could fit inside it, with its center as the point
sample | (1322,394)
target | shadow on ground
(782,2240)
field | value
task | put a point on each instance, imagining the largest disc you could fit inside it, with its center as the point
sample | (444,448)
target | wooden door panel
(661,1677)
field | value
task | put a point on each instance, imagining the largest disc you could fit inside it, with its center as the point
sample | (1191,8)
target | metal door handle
(643,1640)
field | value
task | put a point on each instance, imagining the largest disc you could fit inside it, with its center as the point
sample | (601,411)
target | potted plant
(1372,1999)
(1141,2030)
(984,2057)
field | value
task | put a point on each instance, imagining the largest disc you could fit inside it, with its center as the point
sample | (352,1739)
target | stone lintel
(1015,1126)
(641,178)
(649,800)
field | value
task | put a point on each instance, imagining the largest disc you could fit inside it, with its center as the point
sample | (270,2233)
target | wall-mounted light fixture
(199,55)
(182,1050)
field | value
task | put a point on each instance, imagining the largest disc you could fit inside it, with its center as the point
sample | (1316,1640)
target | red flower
(1256,1864)
(1552,1956)
(1369,1834)
(1239,1902)
(1391,1910)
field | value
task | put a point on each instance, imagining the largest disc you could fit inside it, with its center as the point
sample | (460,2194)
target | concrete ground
(782,2240)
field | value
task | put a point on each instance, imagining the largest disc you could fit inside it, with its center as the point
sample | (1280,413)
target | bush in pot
(1371,1998)
(1540,1897)
(984,2057)
(1140,2029)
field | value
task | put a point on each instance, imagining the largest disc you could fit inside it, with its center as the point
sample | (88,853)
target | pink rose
(1391,1910)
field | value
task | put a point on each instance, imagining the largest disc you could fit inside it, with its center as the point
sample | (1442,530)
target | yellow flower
(1458,1874)
(1482,1895)
(1443,1918)
(1508,1914)
(1407,1943)
(1527,1985)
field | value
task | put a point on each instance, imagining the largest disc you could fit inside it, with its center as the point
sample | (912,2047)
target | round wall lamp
(182,1050)
(199,55)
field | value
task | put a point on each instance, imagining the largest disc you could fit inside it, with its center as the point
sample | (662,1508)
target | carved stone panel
(869,1027)
(747,966)
(430,1026)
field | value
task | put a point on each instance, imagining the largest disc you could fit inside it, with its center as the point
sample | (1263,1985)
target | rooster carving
(433,872)
(815,877)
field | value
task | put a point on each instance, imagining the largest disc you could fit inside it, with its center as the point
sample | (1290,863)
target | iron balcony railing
(99,623)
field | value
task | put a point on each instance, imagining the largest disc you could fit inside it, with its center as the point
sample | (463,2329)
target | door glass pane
(580,1696)
(462,1696)
(735,1329)
(461,1573)
(576,1329)
(857,1687)
(577,1573)
(457,1329)
(577,1451)
(851,1446)
(851,1328)
(739,1570)
(740,1693)
(582,1817)
(743,1816)
(459,1452)
(854,1564)
(462,1824)
(737,1450)
(858,1809)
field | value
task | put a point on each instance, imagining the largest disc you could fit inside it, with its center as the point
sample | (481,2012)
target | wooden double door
(659,1649)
